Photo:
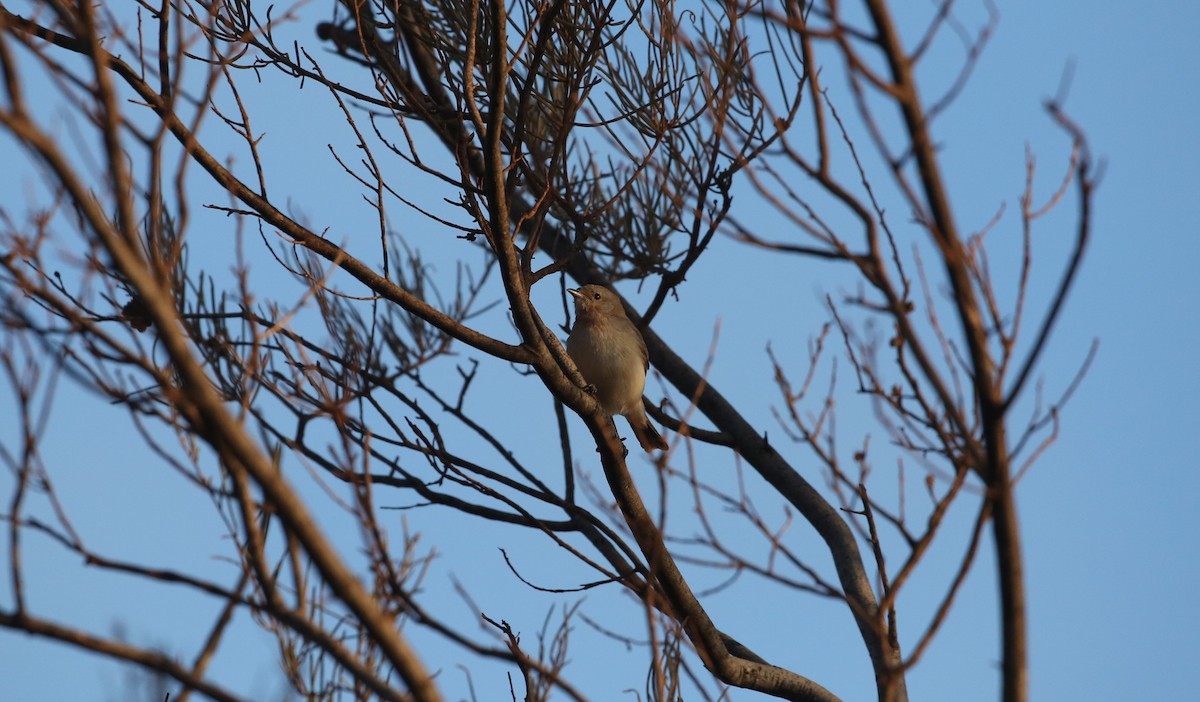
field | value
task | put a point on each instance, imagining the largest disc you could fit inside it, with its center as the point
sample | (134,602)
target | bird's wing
(641,347)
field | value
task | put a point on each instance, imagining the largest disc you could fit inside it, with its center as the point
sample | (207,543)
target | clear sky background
(1109,524)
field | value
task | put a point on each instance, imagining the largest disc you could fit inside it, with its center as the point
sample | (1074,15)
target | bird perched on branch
(611,354)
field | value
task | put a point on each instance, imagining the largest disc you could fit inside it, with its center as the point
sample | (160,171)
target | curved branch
(114,649)
(732,666)
(1085,183)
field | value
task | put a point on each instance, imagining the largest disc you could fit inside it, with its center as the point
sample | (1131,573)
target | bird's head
(596,302)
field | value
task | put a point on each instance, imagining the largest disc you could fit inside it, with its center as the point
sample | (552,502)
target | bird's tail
(646,434)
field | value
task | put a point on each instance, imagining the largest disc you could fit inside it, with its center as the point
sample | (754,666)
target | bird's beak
(575,293)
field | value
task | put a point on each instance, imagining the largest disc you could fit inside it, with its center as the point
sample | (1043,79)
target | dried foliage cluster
(589,141)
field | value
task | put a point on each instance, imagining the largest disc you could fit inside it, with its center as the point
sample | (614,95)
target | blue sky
(1109,523)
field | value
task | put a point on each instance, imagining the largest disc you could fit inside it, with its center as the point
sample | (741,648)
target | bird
(610,353)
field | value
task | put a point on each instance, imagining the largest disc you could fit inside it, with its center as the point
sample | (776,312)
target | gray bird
(611,354)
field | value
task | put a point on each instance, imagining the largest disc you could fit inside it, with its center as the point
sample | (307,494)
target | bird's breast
(610,360)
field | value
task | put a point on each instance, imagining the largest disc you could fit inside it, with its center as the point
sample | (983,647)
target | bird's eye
(595,296)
